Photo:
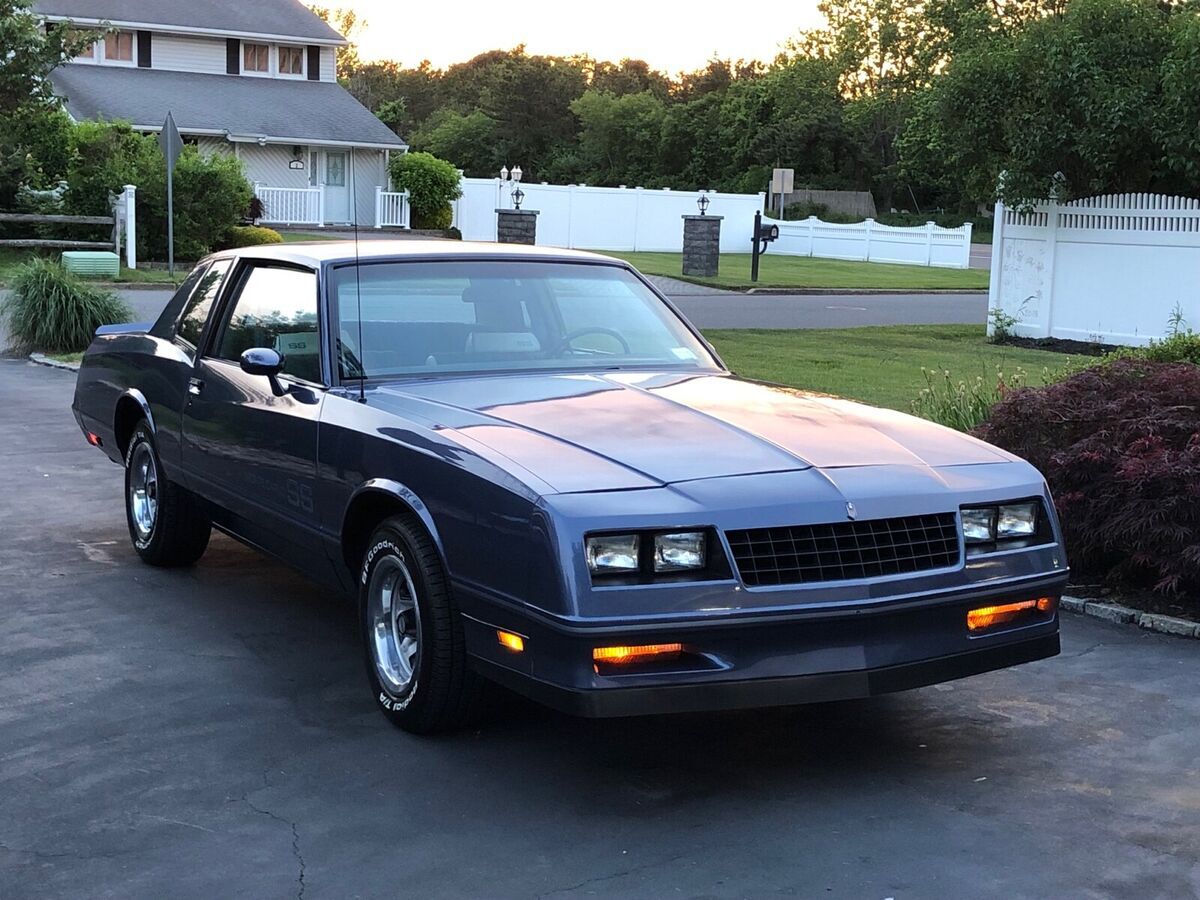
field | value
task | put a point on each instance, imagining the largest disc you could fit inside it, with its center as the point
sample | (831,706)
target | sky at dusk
(670,36)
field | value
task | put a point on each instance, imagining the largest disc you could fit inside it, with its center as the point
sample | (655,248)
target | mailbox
(768,233)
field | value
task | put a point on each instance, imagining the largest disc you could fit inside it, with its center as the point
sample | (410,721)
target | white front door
(335,170)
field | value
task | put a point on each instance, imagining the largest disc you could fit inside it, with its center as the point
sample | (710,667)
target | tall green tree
(29,108)
(1071,103)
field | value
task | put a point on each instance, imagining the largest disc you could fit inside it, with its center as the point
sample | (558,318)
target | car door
(250,445)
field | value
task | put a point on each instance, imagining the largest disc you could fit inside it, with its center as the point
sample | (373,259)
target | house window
(256,58)
(118,46)
(291,61)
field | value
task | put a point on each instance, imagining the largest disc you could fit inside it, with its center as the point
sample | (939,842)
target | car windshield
(484,316)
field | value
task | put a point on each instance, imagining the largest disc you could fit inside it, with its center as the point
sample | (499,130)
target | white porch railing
(291,206)
(391,208)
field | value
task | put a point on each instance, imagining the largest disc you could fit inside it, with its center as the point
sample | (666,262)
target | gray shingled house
(256,78)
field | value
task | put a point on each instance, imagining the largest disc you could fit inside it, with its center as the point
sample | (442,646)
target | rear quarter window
(199,305)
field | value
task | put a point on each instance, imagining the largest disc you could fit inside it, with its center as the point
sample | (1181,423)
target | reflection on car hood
(637,429)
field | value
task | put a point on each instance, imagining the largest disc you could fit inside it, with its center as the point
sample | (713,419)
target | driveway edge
(1125,615)
(43,360)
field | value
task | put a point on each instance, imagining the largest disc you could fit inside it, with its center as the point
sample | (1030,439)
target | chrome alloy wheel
(143,491)
(395,624)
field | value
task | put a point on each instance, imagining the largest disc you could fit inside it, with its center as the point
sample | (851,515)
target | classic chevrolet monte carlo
(530,469)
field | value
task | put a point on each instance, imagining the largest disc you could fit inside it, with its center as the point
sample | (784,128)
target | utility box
(92,262)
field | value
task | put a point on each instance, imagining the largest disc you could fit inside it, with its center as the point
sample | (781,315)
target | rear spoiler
(125,328)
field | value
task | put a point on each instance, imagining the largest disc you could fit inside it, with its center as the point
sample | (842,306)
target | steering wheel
(570,336)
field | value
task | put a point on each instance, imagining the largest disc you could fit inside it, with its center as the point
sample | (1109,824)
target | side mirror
(264,361)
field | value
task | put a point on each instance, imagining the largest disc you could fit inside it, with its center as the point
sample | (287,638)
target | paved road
(981,256)
(207,733)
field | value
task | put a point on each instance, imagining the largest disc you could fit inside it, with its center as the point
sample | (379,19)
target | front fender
(406,496)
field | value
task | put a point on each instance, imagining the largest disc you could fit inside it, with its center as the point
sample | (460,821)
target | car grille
(804,554)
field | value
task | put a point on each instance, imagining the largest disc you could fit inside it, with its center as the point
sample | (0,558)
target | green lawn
(293,237)
(879,365)
(12,258)
(803,272)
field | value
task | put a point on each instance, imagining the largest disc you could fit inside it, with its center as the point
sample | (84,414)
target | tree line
(926,103)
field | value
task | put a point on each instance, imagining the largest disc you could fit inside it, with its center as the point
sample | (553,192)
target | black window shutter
(233,56)
(143,49)
(314,62)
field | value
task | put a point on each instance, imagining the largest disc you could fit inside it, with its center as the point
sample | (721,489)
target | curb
(43,360)
(1124,615)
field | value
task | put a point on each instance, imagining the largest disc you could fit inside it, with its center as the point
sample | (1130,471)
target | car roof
(317,253)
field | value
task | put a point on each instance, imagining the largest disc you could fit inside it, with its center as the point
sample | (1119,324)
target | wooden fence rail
(56,244)
(35,219)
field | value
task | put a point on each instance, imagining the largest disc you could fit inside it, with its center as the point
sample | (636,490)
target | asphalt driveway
(207,733)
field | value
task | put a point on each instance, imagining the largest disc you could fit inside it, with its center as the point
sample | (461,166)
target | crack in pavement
(599,878)
(245,798)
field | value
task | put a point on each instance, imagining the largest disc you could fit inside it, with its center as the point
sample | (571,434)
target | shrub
(1182,346)
(211,192)
(1119,444)
(432,185)
(437,221)
(52,310)
(250,236)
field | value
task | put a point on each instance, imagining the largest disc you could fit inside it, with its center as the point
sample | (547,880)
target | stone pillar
(516,226)
(701,245)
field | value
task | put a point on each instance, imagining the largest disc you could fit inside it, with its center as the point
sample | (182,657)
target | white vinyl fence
(868,241)
(595,218)
(604,218)
(1113,269)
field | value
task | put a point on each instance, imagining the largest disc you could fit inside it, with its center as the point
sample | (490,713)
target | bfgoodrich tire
(166,525)
(412,634)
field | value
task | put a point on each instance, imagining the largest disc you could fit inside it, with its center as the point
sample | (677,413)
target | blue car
(530,469)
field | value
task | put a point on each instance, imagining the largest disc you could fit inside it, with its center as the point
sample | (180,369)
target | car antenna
(362,372)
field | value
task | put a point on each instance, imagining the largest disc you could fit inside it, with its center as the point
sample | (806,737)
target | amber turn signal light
(990,616)
(644,653)
(513,642)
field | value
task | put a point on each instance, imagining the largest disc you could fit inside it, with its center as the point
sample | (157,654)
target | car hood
(625,430)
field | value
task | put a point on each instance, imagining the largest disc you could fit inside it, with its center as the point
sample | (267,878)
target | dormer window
(118,47)
(291,61)
(256,58)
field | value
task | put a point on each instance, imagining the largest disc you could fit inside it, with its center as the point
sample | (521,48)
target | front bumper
(733,662)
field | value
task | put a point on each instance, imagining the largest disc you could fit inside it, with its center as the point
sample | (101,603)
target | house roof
(259,18)
(239,107)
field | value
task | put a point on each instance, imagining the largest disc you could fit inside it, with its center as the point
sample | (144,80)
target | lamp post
(703,202)
(512,177)
(513,224)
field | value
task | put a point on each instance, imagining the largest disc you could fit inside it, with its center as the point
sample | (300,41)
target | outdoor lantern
(517,196)
(516,173)
(702,202)
(504,173)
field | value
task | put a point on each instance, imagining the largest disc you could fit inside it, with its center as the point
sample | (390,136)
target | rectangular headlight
(676,552)
(1017,520)
(979,525)
(612,554)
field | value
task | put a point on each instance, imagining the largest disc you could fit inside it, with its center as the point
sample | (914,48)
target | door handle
(195,385)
